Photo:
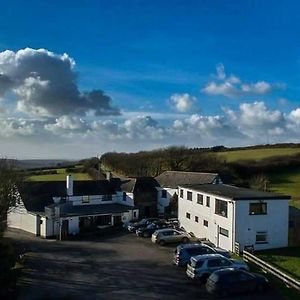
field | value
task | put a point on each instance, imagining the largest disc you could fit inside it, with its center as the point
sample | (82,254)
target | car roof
(193,245)
(207,256)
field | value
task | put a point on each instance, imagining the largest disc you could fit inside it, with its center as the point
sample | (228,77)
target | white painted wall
(19,218)
(73,225)
(275,223)
(162,203)
(205,213)
(129,199)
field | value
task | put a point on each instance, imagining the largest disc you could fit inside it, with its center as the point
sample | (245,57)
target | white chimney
(69,185)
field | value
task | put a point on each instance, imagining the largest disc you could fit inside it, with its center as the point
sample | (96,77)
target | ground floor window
(223,231)
(261,237)
(205,223)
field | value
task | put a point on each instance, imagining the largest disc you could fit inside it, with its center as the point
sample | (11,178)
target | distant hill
(43,163)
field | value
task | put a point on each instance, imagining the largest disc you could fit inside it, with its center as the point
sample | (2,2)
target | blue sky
(141,54)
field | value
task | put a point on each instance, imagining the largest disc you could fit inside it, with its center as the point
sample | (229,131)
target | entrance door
(64,228)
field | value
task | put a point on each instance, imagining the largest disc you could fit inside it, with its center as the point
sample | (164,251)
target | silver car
(201,266)
(169,235)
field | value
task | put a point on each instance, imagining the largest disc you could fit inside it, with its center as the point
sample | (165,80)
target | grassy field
(288,183)
(256,154)
(60,176)
(286,259)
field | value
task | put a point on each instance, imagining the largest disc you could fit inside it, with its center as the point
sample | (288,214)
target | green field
(286,259)
(287,182)
(60,176)
(256,154)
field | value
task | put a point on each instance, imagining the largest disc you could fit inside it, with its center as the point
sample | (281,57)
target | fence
(270,269)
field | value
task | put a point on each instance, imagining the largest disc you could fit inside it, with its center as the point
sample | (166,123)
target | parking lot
(109,267)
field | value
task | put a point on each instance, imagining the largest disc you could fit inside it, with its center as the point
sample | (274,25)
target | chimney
(108,176)
(69,185)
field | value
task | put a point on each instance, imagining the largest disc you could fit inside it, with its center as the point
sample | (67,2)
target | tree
(259,182)
(10,178)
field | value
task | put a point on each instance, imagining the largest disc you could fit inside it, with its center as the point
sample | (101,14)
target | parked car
(184,252)
(132,227)
(169,235)
(231,281)
(151,228)
(201,266)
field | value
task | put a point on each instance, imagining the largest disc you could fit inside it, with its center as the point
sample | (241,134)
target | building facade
(50,209)
(227,215)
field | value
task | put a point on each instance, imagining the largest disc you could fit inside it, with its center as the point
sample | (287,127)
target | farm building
(57,208)
(167,184)
(227,215)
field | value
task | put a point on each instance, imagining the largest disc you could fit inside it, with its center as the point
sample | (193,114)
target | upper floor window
(205,223)
(181,193)
(164,194)
(221,208)
(189,196)
(196,219)
(207,201)
(257,208)
(188,215)
(200,199)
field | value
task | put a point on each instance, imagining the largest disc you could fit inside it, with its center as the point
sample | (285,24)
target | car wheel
(162,242)
(185,240)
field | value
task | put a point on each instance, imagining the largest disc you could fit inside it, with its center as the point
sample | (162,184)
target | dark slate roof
(172,179)
(233,192)
(100,209)
(38,194)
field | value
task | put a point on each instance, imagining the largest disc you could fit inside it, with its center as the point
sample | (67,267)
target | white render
(242,227)
(162,203)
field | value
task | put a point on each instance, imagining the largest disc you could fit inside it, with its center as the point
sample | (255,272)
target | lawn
(59,177)
(286,259)
(287,182)
(256,154)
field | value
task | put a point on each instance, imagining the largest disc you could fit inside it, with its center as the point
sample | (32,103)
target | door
(64,228)
(147,211)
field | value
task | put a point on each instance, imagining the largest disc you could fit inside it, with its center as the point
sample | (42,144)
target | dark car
(184,252)
(151,228)
(132,227)
(232,281)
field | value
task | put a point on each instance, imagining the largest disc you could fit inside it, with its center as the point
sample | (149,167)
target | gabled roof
(234,193)
(172,179)
(38,194)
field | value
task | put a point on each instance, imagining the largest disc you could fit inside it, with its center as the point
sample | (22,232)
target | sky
(81,78)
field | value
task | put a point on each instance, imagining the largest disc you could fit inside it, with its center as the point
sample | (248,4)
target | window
(257,208)
(124,196)
(221,208)
(181,193)
(200,199)
(196,219)
(134,214)
(261,237)
(225,262)
(205,223)
(207,201)
(106,198)
(189,196)
(214,263)
(188,215)
(164,194)
(223,231)
(85,199)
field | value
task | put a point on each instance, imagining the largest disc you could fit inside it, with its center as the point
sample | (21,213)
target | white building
(51,209)
(168,182)
(226,214)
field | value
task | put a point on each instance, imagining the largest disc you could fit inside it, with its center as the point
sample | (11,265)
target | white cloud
(183,102)
(45,84)
(232,86)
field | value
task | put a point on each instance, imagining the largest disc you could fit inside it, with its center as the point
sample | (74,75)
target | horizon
(129,76)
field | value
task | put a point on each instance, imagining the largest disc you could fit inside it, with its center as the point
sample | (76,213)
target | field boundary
(288,280)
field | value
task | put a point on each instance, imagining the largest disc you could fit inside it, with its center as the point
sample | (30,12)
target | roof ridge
(191,172)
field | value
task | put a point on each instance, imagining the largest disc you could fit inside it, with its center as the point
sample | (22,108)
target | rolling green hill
(256,154)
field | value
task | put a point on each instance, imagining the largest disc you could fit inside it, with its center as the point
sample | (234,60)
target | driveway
(112,267)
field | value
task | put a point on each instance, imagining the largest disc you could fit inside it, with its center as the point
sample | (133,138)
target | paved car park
(119,265)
